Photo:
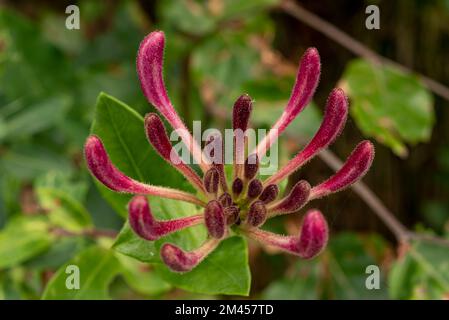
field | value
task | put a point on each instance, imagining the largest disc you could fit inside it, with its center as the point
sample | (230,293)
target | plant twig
(91,233)
(353,45)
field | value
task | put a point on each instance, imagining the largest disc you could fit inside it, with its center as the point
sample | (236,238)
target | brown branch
(91,233)
(353,45)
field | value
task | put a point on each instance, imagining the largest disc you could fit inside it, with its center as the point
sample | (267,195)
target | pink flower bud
(305,85)
(101,167)
(232,214)
(225,200)
(237,186)
(218,159)
(146,226)
(254,188)
(211,180)
(257,214)
(251,166)
(157,136)
(179,260)
(241,112)
(302,93)
(311,241)
(314,235)
(333,123)
(353,170)
(149,68)
(214,219)
(295,200)
(269,194)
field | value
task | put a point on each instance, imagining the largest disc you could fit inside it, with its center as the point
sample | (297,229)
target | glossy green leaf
(22,239)
(97,268)
(388,105)
(141,277)
(122,131)
(128,243)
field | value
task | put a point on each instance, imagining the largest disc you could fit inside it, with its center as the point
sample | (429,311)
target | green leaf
(231,277)
(348,257)
(423,273)
(35,118)
(128,243)
(141,277)
(303,284)
(63,210)
(97,268)
(22,239)
(388,105)
(122,131)
(224,271)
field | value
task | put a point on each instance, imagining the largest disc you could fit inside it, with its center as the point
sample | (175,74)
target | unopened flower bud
(314,234)
(146,226)
(257,214)
(214,219)
(241,112)
(254,188)
(269,193)
(211,180)
(225,200)
(295,200)
(251,166)
(232,214)
(237,186)
(353,170)
(179,260)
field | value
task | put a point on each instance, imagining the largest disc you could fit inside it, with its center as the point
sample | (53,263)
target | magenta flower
(244,204)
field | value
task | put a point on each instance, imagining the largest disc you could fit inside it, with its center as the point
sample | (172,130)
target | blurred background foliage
(53,215)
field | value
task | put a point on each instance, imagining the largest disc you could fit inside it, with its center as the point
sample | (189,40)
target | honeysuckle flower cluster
(245,203)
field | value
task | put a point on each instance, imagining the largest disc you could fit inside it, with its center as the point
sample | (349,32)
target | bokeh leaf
(22,239)
(97,268)
(388,105)
(422,273)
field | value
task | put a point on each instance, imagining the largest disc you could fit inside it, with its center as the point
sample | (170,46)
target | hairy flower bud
(237,186)
(251,166)
(215,143)
(269,193)
(254,188)
(306,82)
(232,214)
(311,241)
(295,200)
(214,219)
(353,170)
(211,180)
(314,234)
(225,200)
(179,260)
(257,214)
(333,122)
(241,112)
(146,226)
(157,136)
